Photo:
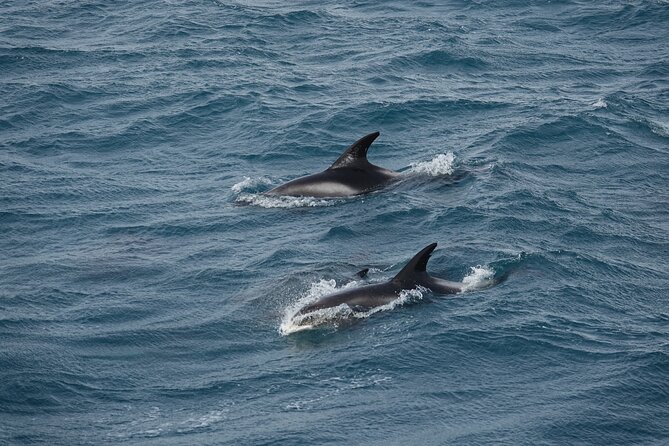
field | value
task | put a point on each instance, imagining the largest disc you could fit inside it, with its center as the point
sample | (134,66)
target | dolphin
(350,175)
(365,298)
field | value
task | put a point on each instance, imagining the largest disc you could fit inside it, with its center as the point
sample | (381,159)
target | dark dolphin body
(365,298)
(350,175)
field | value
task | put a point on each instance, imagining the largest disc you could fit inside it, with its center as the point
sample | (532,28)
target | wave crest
(249,183)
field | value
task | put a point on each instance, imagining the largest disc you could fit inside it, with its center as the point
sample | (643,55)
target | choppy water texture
(144,278)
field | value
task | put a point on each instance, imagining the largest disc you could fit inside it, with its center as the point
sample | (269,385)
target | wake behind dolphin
(350,175)
(370,298)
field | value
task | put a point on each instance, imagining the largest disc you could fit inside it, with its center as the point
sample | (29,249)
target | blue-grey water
(145,279)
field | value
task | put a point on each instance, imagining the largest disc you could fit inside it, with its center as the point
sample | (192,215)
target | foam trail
(442,164)
(279,201)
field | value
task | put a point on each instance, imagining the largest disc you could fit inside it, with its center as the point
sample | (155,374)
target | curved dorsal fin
(416,265)
(357,151)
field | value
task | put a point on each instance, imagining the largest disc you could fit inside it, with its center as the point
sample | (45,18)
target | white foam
(282,201)
(406,296)
(478,277)
(442,164)
(600,103)
(317,290)
(249,183)
(156,423)
(204,421)
(660,129)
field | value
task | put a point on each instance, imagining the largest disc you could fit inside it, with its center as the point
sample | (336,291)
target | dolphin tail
(357,151)
(415,272)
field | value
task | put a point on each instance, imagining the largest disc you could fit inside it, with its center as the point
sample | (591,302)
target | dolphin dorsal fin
(357,151)
(416,265)
(362,273)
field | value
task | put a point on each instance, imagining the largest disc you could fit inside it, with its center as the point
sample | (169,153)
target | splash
(248,191)
(293,323)
(281,201)
(316,291)
(442,164)
(249,183)
(479,277)
(600,103)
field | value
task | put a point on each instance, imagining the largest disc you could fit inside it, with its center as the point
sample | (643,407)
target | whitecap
(600,103)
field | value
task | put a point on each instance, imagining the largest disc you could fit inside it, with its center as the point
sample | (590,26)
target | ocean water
(145,279)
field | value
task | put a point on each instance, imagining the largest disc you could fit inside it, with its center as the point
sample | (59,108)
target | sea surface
(146,283)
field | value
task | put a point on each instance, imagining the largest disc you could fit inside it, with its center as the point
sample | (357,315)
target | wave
(293,18)
(656,70)
(411,113)
(624,17)
(164,423)
(439,60)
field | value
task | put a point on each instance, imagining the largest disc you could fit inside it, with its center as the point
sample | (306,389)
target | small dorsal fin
(357,151)
(417,265)
(362,273)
